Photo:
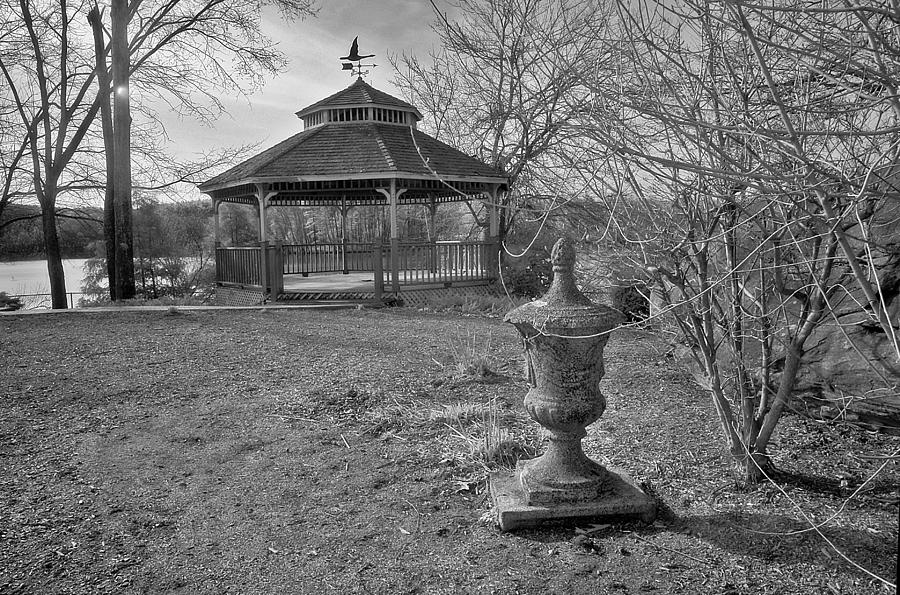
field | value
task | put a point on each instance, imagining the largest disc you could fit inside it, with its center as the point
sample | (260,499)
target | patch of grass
(444,303)
(499,446)
(477,436)
(490,438)
(105,302)
(480,305)
(471,355)
(394,417)
(456,413)
(489,443)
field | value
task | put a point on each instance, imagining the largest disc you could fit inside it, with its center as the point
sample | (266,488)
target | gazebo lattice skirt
(413,273)
(233,296)
(409,296)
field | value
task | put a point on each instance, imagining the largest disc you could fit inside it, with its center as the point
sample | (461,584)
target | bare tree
(504,86)
(755,161)
(757,149)
(184,53)
(14,185)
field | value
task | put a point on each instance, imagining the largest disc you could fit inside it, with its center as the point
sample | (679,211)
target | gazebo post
(431,207)
(395,239)
(344,211)
(379,271)
(493,231)
(393,194)
(216,204)
(493,212)
(263,195)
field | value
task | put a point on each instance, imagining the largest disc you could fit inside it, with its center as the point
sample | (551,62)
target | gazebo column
(493,230)
(263,195)
(393,195)
(395,240)
(216,204)
(220,264)
(344,211)
(494,212)
(431,214)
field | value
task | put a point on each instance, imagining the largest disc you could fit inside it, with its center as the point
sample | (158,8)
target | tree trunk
(103,82)
(755,467)
(785,390)
(109,236)
(153,279)
(124,240)
(143,276)
(54,259)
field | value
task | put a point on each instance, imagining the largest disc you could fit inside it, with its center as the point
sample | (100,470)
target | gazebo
(358,147)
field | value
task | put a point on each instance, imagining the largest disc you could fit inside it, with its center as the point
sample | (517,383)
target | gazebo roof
(359,93)
(357,141)
(362,149)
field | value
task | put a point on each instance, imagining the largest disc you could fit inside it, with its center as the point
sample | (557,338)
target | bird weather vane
(353,56)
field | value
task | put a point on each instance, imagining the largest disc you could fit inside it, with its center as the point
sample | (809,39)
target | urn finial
(562,256)
(563,290)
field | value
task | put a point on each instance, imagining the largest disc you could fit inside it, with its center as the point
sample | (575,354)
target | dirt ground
(291,451)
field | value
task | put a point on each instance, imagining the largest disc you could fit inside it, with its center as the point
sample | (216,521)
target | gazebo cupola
(359,102)
(359,147)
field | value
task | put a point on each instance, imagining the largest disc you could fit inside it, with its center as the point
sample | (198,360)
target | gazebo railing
(444,262)
(327,258)
(251,266)
(417,263)
(238,265)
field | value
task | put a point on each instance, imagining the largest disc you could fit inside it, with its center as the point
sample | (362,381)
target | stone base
(621,500)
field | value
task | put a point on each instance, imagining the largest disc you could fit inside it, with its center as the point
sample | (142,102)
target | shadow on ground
(780,538)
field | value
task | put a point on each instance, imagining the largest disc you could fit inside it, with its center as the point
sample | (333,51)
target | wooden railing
(239,266)
(326,258)
(251,266)
(444,262)
(415,263)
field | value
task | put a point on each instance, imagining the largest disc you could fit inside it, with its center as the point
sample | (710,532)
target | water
(30,276)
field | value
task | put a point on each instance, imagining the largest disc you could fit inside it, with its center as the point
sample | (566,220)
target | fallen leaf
(591,529)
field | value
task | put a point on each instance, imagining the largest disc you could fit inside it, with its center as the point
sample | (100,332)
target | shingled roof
(364,137)
(359,93)
(353,150)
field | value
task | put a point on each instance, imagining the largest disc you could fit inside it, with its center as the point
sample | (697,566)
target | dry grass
(471,353)
(317,452)
(492,306)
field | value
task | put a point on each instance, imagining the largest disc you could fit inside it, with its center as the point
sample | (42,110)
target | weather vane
(354,56)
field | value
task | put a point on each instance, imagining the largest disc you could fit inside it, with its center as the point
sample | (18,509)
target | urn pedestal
(564,334)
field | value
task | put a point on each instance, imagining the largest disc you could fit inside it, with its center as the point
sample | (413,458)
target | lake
(30,276)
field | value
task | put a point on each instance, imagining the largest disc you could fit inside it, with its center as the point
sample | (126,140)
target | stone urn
(564,335)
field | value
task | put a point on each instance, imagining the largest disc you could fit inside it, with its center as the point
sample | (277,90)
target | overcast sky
(312,47)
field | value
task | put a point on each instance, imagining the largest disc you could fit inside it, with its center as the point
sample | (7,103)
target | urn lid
(564,307)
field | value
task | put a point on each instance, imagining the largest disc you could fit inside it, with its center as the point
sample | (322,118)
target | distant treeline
(169,228)
(81,230)
(22,237)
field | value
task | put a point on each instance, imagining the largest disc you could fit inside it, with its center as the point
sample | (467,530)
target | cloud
(313,47)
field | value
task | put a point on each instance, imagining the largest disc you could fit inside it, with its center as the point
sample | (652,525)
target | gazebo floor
(323,282)
(360,287)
